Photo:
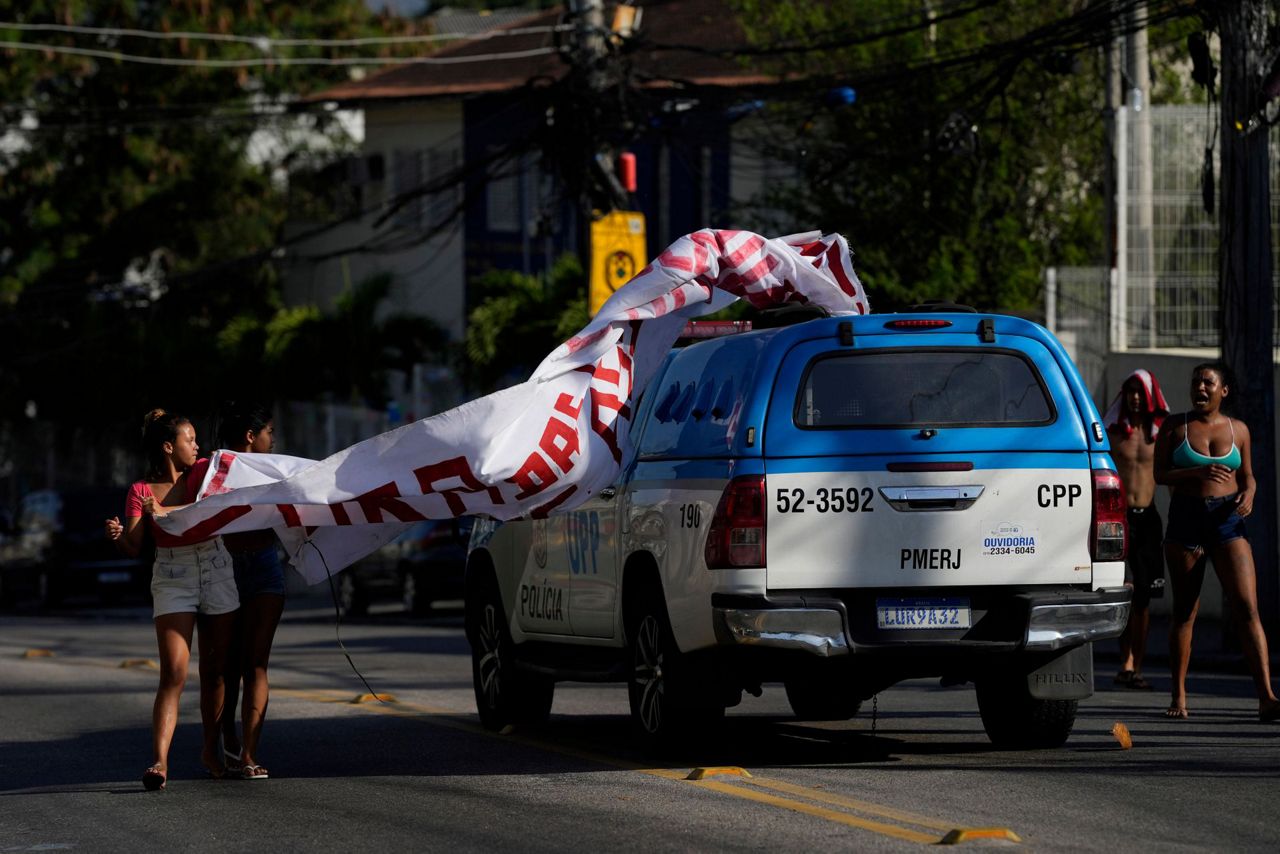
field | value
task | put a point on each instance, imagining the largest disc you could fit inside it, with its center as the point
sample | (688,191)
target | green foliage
(963,168)
(519,319)
(109,164)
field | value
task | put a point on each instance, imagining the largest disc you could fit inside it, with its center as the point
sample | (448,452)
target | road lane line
(453,720)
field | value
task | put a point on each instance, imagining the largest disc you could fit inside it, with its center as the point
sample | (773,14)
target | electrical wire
(267,42)
(262,62)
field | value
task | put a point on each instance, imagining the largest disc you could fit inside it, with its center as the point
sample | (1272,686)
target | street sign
(617,253)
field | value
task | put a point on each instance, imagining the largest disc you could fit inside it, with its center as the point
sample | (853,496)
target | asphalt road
(420,774)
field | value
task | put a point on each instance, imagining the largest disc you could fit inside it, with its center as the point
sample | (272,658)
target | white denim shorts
(194,579)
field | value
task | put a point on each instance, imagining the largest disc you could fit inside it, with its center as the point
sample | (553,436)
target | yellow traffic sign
(617,253)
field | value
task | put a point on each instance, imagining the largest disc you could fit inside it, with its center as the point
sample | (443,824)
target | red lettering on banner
(533,477)
(219,478)
(215,523)
(385,498)
(290,514)
(456,468)
(670,259)
(560,442)
(836,263)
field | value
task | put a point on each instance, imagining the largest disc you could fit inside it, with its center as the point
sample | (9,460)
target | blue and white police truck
(836,505)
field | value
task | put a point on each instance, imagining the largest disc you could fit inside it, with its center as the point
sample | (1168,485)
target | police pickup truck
(837,504)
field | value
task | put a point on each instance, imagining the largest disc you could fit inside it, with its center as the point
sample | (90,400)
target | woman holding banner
(191,578)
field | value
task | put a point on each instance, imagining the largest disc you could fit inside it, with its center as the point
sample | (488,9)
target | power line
(265,43)
(260,62)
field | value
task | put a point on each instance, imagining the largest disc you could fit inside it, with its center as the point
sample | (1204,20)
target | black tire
(1016,720)
(816,700)
(505,695)
(668,693)
(352,601)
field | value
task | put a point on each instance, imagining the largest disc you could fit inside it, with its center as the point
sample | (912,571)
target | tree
(973,154)
(519,319)
(138,215)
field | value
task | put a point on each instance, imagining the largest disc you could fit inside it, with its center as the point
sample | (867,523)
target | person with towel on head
(1133,422)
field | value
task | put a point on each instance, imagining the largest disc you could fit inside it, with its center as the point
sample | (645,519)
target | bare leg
(1186,575)
(235,652)
(1233,561)
(215,637)
(1139,626)
(173,637)
(262,616)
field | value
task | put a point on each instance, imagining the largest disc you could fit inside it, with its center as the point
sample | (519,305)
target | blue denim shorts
(1203,522)
(259,572)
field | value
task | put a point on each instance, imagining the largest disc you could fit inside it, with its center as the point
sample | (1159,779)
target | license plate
(923,613)
(113,578)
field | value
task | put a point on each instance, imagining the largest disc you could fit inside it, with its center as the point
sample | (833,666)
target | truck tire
(1014,719)
(815,700)
(667,691)
(505,696)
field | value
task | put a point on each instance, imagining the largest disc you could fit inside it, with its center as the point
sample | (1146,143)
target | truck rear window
(922,388)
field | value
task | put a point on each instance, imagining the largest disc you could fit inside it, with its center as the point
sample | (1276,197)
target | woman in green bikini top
(1187,457)
(1211,495)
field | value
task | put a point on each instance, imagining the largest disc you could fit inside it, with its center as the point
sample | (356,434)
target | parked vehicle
(837,505)
(57,550)
(424,565)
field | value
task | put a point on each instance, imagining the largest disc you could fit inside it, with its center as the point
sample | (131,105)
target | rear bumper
(843,623)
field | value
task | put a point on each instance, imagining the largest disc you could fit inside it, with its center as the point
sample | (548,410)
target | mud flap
(1067,676)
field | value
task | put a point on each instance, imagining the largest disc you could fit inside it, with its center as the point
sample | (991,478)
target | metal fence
(1166,293)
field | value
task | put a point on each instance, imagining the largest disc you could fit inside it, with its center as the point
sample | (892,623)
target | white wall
(428,277)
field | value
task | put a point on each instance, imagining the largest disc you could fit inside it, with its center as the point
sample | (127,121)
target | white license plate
(923,613)
(113,578)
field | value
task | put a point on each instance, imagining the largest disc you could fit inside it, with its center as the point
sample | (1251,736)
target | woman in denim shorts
(191,577)
(1204,458)
(259,572)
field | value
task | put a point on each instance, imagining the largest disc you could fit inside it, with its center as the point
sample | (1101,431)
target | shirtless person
(1132,422)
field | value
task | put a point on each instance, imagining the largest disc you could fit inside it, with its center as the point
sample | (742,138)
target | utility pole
(1143,233)
(1245,259)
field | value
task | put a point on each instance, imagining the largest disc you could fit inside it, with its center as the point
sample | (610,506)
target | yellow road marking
(452,719)
(747,790)
(38,653)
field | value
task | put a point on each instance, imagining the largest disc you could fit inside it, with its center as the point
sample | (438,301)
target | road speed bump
(969,834)
(143,663)
(38,653)
(718,771)
(374,698)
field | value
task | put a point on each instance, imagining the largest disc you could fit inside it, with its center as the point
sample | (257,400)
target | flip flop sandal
(153,779)
(232,761)
(254,772)
(1138,683)
(1124,677)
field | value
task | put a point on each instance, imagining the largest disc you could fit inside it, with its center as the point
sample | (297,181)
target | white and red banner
(542,446)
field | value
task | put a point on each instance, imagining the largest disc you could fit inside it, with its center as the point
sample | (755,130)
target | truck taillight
(1108,538)
(736,537)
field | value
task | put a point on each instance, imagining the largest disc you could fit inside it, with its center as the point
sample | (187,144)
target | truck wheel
(1014,719)
(504,694)
(814,700)
(669,702)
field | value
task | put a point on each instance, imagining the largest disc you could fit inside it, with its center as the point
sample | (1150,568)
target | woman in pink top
(192,576)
